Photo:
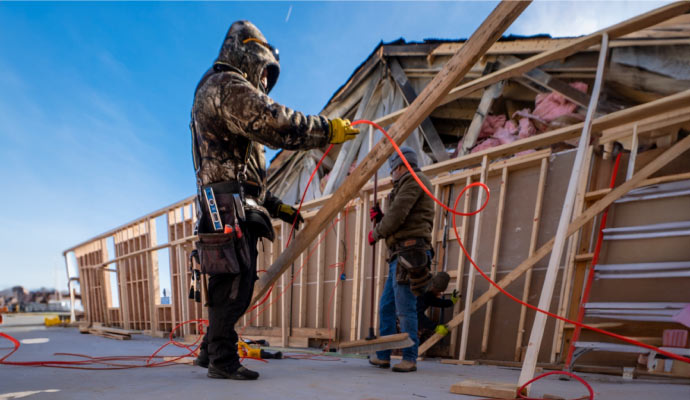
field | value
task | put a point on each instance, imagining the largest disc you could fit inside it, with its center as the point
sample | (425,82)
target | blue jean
(398,301)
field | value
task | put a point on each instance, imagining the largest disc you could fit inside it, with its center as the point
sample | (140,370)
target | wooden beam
(427,127)
(534,235)
(320,272)
(489,31)
(571,47)
(568,270)
(491,390)
(668,156)
(633,154)
(469,293)
(539,325)
(461,258)
(495,252)
(470,139)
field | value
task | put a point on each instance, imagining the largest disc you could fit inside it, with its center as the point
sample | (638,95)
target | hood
(252,58)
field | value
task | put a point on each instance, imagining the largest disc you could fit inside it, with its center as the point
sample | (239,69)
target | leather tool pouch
(260,224)
(224,253)
(413,261)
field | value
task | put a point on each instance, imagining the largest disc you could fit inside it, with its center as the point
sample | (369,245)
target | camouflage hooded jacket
(233,118)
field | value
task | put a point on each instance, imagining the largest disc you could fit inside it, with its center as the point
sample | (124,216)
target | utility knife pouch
(413,263)
(222,253)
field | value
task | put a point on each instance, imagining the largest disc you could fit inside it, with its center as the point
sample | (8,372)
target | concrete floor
(347,378)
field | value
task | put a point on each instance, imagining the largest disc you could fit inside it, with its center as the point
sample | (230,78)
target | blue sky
(95,98)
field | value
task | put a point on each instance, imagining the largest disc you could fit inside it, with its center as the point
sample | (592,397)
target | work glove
(371,238)
(341,130)
(375,213)
(441,330)
(455,296)
(287,213)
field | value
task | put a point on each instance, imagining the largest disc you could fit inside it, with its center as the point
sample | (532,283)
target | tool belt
(250,188)
(414,264)
(219,252)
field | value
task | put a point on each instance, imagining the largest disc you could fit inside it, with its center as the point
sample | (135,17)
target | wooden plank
(152,272)
(286,292)
(339,258)
(537,332)
(380,340)
(568,48)
(568,271)
(314,333)
(489,31)
(469,293)
(438,217)
(470,138)
(303,308)
(273,246)
(109,335)
(461,259)
(428,130)
(356,287)
(485,389)
(381,267)
(458,362)
(494,255)
(320,271)
(365,266)
(633,154)
(668,156)
(532,245)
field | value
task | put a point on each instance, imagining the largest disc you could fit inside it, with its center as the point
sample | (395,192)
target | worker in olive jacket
(406,227)
(232,119)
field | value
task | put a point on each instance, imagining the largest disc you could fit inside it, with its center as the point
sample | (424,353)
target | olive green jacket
(410,212)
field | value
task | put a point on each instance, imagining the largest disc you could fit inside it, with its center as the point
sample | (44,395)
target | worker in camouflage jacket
(406,227)
(232,120)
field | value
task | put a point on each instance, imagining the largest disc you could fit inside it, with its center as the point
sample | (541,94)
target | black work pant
(224,311)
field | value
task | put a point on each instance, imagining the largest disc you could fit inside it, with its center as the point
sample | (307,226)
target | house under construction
(584,144)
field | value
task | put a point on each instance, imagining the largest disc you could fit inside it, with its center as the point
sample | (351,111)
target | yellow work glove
(455,296)
(287,213)
(341,130)
(441,330)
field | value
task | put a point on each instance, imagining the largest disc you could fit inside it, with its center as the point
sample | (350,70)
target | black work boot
(202,359)
(240,374)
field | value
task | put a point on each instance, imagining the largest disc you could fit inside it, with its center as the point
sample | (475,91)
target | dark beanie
(394,161)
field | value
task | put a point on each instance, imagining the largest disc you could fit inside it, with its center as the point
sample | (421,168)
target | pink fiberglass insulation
(552,110)
(486,144)
(491,124)
(553,105)
(526,128)
(507,133)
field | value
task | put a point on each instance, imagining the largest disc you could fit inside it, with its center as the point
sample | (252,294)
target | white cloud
(575,18)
